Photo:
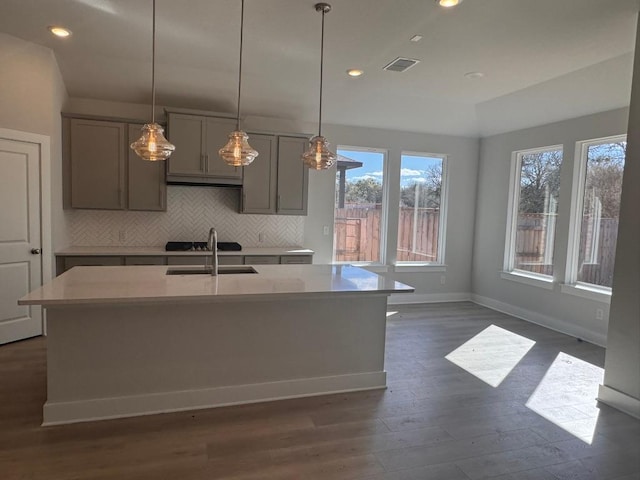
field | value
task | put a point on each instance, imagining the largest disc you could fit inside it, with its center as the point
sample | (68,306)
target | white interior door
(20,238)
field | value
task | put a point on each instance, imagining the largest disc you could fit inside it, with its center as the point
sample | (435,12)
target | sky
(412,167)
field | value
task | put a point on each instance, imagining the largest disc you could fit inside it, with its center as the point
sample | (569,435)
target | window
(359,214)
(421,214)
(595,210)
(533,208)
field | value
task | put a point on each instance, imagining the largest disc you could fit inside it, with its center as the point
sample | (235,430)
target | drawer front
(188,260)
(230,260)
(261,260)
(295,259)
(144,260)
(70,262)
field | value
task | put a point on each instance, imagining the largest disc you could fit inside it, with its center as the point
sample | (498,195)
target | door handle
(36,251)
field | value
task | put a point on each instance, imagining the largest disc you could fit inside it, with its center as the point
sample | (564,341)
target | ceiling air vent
(401,64)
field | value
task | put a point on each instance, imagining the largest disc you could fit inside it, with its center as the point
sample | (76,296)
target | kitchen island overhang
(125,341)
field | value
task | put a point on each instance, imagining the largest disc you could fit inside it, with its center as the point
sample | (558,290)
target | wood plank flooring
(435,421)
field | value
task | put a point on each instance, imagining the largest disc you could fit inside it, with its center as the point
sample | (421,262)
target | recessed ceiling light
(474,74)
(354,72)
(448,3)
(416,38)
(59,31)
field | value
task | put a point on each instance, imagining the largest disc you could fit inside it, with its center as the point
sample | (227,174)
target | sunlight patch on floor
(566,396)
(491,354)
(391,314)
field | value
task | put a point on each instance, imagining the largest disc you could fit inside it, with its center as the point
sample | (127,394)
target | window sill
(371,266)
(533,280)
(585,291)
(419,267)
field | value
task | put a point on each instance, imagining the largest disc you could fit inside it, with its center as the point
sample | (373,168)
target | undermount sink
(222,270)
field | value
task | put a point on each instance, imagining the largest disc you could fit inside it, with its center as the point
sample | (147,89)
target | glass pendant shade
(237,152)
(318,156)
(152,145)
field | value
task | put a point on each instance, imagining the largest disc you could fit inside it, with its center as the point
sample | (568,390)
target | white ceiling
(543,60)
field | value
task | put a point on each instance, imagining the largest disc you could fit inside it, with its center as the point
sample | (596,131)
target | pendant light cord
(321,70)
(153,66)
(240,67)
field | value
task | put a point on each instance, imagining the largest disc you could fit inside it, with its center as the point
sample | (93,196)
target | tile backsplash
(191,211)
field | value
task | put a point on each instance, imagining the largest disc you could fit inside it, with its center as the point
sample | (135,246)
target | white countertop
(150,284)
(160,251)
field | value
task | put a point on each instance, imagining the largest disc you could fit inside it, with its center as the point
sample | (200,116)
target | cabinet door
(217,136)
(186,132)
(147,183)
(189,260)
(230,260)
(97,164)
(144,260)
(295,259)
(293,176)
(261,260)
(81,261)
(259,179)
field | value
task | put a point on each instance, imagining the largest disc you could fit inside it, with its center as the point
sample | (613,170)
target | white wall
(573,315)
(462,155)
(621,387)
(32,94)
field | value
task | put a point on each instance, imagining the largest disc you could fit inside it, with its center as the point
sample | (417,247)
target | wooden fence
(596,255)
(357,238)
(357,234)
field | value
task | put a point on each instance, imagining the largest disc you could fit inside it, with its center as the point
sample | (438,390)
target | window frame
(509,271)
(442,220)
(571,284)
(382,254)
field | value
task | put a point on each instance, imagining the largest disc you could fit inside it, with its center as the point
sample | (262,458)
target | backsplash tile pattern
(191,211)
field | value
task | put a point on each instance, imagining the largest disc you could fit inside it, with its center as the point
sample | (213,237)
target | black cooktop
(201,246)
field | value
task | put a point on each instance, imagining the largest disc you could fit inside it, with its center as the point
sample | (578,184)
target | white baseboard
(539,319)
(621,401)
(119,407)
(408,298)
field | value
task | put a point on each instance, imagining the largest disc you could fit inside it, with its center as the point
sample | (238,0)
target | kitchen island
(125,341)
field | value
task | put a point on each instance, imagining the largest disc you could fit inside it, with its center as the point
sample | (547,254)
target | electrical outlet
(261,237)
(443,279)
(599,314)
(325,230)
(122,235)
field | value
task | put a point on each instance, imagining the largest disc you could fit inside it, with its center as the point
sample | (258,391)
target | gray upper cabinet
(259,188)
(102,172)
(277,181)
(197,139)
(293,176)
(97,164)
(147,182)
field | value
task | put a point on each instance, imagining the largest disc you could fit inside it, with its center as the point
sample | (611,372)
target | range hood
(197,181)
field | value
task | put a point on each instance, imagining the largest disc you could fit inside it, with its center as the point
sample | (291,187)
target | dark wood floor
(435,421)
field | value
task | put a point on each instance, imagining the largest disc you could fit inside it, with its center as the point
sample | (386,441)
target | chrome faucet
(212,245)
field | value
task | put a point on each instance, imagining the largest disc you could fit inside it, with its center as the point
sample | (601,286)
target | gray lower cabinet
(200,260)
(145,260)
(261,260)
(64,263)
(296,259)
(197,139)
(70,262)
(102,172)
(277,181)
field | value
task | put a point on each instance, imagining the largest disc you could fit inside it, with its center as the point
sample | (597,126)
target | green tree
(539,180)
(364,190)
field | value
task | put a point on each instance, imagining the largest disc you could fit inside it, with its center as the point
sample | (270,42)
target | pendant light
(152,145)
(318,156)
(237,152)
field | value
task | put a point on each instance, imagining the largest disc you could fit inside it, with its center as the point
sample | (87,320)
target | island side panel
(124,360)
